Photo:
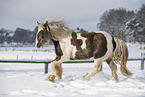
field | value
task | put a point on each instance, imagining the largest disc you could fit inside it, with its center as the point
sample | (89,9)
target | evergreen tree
(141,15)
(136,30)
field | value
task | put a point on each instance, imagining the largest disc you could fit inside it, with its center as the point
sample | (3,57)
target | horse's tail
(121,54)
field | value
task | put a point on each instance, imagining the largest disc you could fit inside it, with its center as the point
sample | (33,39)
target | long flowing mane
(59,29)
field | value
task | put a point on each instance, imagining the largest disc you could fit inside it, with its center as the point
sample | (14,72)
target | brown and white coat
(70,45)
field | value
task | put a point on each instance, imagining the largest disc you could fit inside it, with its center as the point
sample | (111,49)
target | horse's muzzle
(37,45)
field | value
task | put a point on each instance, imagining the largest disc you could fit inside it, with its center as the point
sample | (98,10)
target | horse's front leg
(56,70)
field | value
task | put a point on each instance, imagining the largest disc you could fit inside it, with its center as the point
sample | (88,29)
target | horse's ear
(46,22)
(38,23)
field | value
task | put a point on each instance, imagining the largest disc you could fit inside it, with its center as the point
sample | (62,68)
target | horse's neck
(66,40)
(59,36)
(63,41)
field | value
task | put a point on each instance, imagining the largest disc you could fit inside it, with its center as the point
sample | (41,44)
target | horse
(70,45)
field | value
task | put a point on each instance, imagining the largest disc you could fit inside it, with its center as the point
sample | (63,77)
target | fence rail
(46,62)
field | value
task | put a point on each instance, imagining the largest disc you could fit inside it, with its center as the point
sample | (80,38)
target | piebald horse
(70,45)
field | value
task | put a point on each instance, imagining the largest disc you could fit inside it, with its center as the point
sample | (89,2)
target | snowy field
(28,80)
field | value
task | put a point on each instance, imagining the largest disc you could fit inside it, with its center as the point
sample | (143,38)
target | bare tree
(113,21)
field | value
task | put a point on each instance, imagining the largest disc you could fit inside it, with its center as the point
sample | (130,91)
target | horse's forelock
(42,27)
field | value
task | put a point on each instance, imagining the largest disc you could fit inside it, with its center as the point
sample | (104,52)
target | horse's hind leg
(113,67)
(97,68)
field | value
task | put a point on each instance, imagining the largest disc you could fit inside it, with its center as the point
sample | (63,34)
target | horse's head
(43,34)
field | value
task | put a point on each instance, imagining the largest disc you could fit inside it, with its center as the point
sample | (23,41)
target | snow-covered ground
(27,53)
(28,80)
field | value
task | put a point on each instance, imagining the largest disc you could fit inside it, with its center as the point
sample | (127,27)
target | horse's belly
(82,54)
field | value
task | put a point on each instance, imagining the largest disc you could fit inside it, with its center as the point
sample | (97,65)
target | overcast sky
(78,13)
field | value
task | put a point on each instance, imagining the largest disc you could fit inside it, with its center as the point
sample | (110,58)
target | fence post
(142,61)
(142,64)
(45,68)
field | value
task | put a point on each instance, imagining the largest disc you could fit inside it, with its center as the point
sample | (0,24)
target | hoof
(51,78)
(114,79)
(58,75)
(85,77)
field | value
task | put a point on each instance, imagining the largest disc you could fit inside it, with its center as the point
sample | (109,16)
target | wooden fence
(46,62)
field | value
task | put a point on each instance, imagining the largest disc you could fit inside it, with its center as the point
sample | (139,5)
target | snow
(28,80)
(27,53)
